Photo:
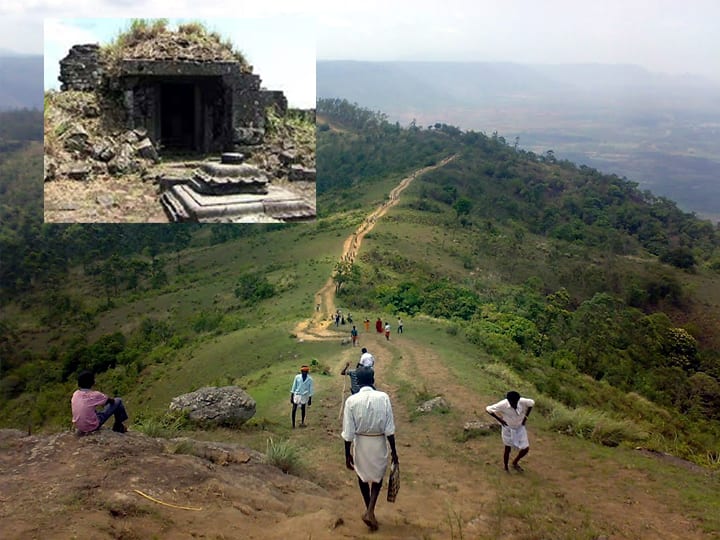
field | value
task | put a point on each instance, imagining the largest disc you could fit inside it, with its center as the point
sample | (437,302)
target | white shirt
(367,360)
(513,418)
(300,387)
(369,412)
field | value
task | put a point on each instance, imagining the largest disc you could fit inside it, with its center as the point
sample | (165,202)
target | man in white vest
(368,427)
(512,413)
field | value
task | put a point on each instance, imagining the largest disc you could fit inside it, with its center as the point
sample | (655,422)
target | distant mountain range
(408,85)
(21,80)
(619,118)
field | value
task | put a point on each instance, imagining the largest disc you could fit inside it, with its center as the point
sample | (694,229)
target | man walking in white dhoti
(368,427)
(512,413)
(301,394)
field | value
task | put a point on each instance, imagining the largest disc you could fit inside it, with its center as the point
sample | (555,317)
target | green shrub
(283,455)
(165,426)
(252,288)
(594,425)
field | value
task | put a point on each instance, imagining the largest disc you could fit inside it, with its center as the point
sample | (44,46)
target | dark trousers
(116,409)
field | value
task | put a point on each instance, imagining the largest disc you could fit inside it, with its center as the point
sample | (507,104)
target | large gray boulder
(228,405)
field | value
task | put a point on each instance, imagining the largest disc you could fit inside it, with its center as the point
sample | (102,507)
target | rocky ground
(96,171)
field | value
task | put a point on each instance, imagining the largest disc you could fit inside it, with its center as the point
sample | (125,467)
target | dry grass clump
(152,39)
(284,455)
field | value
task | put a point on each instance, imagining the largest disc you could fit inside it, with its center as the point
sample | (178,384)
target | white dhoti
(370,454)
(515,437)
(300,399)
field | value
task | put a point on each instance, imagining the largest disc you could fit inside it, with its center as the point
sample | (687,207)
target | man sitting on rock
(85,416)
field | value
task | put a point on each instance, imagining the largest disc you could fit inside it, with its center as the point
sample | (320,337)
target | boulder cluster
(87,155)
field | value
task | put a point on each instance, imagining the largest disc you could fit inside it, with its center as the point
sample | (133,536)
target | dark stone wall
(229,108)
(270,98)
(81,69)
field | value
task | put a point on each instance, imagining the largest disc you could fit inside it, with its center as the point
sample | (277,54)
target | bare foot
(370,521)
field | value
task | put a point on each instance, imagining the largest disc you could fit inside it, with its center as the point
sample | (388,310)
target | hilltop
(509,270)
(656,129)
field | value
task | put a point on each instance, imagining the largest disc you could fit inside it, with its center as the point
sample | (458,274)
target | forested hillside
(595,291)
(604,299)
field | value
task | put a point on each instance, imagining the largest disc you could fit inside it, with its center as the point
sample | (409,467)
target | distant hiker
(352,373)
(379,326)
(387,331)
(317,307)
(301,394)
(337,319)
(349,318)
(366,359)
(367,424)
(366,322)
(84,401)
(354,335)
(400,326)
(342,320)
(512,413)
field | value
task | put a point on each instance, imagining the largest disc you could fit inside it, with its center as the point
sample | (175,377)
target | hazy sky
(668,36)
(281,47)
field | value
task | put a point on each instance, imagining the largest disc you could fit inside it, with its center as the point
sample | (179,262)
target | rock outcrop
(211,405)
(437,403)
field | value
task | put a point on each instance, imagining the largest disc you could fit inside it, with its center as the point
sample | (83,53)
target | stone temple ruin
(207,105)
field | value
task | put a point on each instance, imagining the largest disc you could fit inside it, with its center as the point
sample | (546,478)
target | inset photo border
(179,120)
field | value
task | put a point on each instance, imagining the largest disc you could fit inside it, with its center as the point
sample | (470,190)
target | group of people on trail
(368,425)
(369,429)
(384,328)
(380,327)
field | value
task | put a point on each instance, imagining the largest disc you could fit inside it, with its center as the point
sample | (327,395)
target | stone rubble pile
(87,156)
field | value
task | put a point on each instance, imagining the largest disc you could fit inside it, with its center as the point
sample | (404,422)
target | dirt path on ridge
(317,327)
(455,489)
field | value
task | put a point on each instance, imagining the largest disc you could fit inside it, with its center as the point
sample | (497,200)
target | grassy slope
(263,358)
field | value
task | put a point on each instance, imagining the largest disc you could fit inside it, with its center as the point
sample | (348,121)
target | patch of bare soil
(108,485)
(108,199)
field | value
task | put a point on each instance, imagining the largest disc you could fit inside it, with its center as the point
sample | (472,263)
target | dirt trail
(458,489)
(317,326)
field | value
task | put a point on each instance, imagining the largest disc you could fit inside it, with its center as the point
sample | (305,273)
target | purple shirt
(83,404)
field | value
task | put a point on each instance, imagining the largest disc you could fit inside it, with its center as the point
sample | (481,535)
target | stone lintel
(146,68)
